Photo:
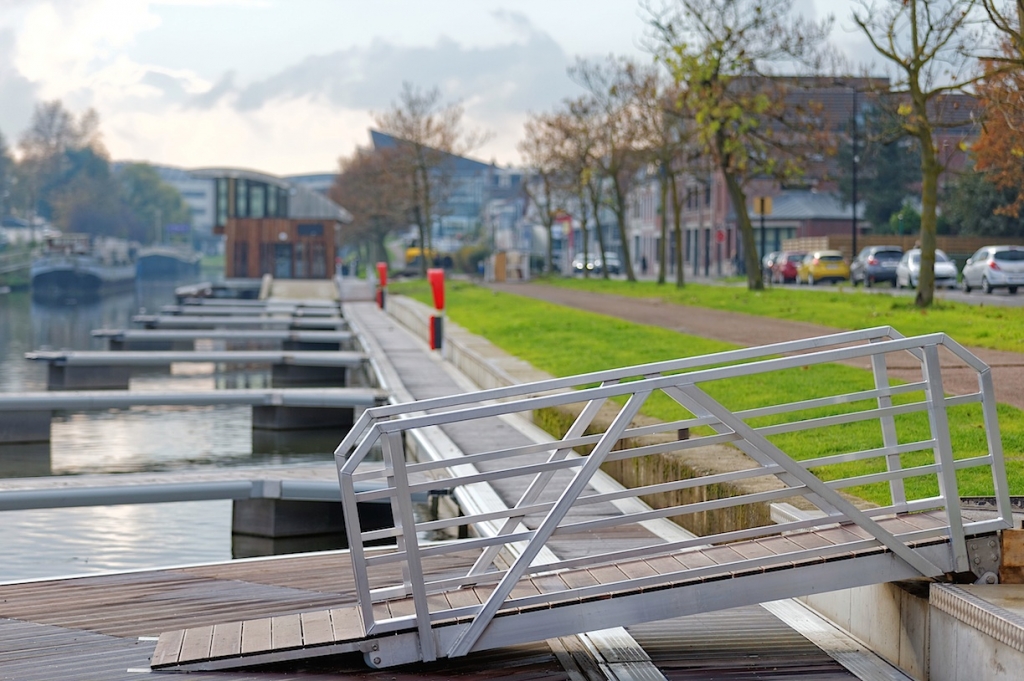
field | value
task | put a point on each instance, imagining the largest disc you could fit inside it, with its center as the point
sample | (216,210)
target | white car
(908,271)
(993,267)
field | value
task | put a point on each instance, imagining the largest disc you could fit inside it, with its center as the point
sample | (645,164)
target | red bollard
(435,276)
(382,283)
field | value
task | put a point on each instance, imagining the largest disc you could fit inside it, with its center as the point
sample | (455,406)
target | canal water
(59,542)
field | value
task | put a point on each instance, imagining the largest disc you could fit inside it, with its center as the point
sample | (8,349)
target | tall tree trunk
(596,208)
(583,231)
(930,170)
(663,228)
(600,239)
(621,211)
(549,222)
(677,224)
(418,215)
(739,205)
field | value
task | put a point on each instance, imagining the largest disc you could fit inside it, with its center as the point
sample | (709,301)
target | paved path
(746,330)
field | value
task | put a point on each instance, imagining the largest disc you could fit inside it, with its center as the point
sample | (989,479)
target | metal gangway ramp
(891,437)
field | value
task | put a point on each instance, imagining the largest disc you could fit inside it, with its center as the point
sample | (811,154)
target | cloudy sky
(288,86)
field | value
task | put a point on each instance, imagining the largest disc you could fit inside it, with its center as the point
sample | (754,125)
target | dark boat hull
(163,266)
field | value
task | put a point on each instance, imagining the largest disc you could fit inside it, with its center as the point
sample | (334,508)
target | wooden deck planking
(285,632)
(169,650)
(227,639)
(382,611)
(463,598)
(256,635)
(549,583)
(694,559)
(346,624)
(196,644)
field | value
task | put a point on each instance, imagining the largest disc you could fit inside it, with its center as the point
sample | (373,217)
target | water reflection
(139,439)
(105,538)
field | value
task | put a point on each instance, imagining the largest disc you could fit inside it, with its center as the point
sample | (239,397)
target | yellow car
(822,266)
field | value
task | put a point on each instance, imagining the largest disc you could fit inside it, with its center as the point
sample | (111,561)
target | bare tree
(1008,18)
(429,134)
(618,87)
(928,45)
(377,199)
(573,149)
(540,149)
(721,54)
(667,143)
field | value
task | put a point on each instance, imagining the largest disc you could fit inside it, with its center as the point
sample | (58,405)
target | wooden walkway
(326,632)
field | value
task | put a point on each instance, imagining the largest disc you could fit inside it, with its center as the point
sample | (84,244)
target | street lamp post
(855,161)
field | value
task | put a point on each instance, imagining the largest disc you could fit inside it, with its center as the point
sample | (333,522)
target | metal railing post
(405,522)
(938,421)
(890,439)
(355,543)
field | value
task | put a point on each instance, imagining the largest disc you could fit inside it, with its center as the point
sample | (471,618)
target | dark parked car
(875,264)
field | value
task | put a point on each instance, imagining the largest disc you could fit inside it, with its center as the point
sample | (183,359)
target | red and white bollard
(435,276)
(382,283)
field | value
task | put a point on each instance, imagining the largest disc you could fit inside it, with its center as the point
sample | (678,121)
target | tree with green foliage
(888,165)
(975,206)
(151,202)
(720,54)
(929,45)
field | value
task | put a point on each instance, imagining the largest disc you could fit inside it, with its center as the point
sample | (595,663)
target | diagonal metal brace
(813,483)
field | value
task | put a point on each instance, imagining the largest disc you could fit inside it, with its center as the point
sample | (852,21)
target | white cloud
(61,44)
(286,136)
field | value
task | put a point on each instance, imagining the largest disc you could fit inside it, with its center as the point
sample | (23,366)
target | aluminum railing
(895,434)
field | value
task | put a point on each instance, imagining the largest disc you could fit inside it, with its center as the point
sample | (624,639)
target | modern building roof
(303,203)
(306,204)
(382,140)
(802,204)
(242,174)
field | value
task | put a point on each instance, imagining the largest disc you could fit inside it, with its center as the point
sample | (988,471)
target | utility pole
(856,159)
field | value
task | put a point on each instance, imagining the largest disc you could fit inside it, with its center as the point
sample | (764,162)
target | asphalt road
(976,297)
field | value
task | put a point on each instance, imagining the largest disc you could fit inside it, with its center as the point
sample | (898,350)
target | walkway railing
(886,436)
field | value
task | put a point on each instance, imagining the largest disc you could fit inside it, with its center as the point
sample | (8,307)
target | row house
(806,207)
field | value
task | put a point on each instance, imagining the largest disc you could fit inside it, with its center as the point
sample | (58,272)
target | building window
(282,203)
(311,229)
(272,202)
(222,202)
(257,196)
(241,199)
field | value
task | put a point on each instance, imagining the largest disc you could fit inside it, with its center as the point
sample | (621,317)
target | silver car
(993,267)
(908,271)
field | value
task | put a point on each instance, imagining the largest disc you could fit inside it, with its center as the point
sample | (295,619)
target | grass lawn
(564,342)
(842,307)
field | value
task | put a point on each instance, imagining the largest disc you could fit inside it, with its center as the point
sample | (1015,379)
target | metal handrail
(556,477)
